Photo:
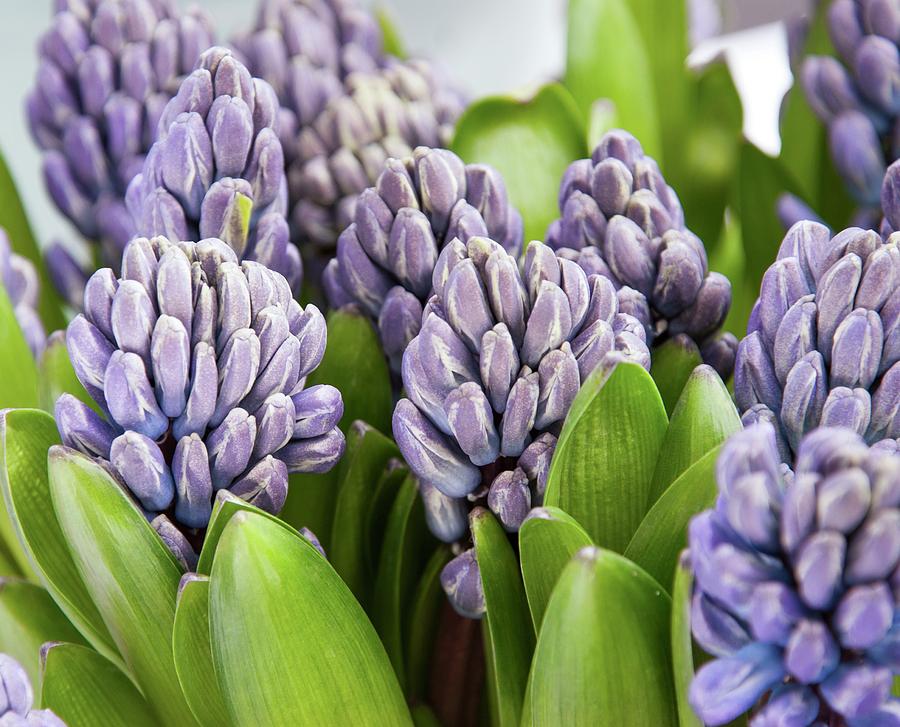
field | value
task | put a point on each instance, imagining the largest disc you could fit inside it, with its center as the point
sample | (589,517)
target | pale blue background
(487,46)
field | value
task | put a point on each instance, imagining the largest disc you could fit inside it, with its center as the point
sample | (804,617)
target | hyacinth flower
(419,205)
(217,167)
(107,69)
(199,363)
(858,95)
(490,378)
(17,698)
(621,220)
(20,281)
(823,342)
(796,582)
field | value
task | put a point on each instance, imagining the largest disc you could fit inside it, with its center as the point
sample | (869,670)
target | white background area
(486,46)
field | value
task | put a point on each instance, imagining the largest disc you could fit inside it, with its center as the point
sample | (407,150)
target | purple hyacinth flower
(20,281)
(490,377)
(619,219)
(17,696)
(795,581)
(200,364)
(822,347)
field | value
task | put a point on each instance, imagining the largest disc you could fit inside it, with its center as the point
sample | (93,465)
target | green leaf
(603,656)
(58,377)
(355,365)
(131,575)
(547,543)
(193,653)
(391,40)
(509,636)
(18,371)
(26,435)
(9,568)
(28,619)
(423,620)
(530,142)
(606,58)
(289,640)
(682,645)
(672,365)
(383,498)
(663,532)
(14,220)
(84,689)
(407,545)
(424,717)
(703,418)
(603,118)
(602,471)
(348,550)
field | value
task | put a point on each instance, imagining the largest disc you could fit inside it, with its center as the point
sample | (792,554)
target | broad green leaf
(407,545)
(18,371)
(547,543)
(602,471)
(355,365)
(606,58)
(131,575)
(28,619)
(672,365)
(14,220)
(383,497)
(530,142)
(424,717)
(347,550)
(682,645)
(25,437)
(193,653)
(603,655)
(663,532)
(9,568)
(84,690)
(58,377)
(391,40)
(291,645)
(509,635)
(423,620)
(704,417)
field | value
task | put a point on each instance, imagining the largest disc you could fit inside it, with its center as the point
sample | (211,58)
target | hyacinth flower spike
(489,379)
(199,363)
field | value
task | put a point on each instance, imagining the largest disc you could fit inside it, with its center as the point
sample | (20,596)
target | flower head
(388,257)
(19,278)
(858,94)
(490,377)
(107,69)
(217,167)
(823,344)
(199,363)
(621,220)
(17,698)
(796,581)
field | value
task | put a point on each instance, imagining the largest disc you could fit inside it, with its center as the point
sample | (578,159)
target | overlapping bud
(621,220)
(107,69)
(490,377)
(217,168)
(858,96)
(17,698)
(19,278)
(386,259)
(199,363)
(796,582)
(823,343)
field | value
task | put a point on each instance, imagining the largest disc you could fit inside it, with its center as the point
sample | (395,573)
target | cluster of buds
(823,343)
(490,377)
(17,698)
(107,69)
(419,205)
(620,219)
(199,363)
(796,583)
(217,167)
(859,98)
(19,278)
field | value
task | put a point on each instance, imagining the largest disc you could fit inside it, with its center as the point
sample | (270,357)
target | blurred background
(486,46)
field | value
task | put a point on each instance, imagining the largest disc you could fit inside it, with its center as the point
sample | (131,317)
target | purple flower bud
(461,581)
(16,695)
(313,455)
(789,704)
(141,465)
(193,482)
(856,691)
(265,486)
(509,498)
